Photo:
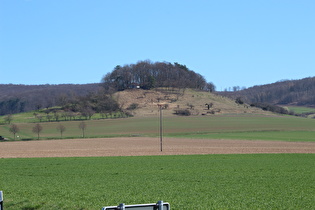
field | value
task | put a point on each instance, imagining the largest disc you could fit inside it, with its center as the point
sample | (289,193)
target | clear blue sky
(229,42)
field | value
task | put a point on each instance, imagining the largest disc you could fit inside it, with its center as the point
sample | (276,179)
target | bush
(183,112)
(133,106)
(270,107)
(128,114)
(239,100)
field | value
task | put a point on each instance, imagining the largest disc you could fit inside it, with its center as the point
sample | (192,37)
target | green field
(301,109)
(246,126)
(29,117)
(251,181)
(259,181)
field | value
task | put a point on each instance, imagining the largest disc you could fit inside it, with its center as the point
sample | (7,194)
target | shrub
(133,106)
(183,112)
(270,107)
(239,100)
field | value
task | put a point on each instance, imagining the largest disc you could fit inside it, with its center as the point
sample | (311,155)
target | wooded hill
(289,92)
(97,98)
(22,98)
(147,75)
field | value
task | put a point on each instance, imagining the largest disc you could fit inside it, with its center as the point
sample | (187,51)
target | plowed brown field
(140,146)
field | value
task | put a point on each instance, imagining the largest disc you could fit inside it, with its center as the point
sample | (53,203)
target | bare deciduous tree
(56,116)
(8,118)
(210,87)
(61,129)
(82,126)
(39,117)
(49,117)
(14,129)
(37,129)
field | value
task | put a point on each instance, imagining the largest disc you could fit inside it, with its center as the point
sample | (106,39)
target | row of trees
(79,107)
(147,75)
(38,128)
(70,116)
(234,88)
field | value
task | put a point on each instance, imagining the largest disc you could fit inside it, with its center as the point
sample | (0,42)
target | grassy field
(244,126)
(300,109)
(252,181)
(260,181)
(29,117)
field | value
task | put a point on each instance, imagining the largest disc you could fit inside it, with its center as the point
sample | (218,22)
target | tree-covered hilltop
(91,98)
(147,75)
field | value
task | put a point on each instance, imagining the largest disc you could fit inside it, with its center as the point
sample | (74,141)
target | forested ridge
(289,92)
(22,98)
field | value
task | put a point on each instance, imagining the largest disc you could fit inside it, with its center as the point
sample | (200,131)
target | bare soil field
(141,146)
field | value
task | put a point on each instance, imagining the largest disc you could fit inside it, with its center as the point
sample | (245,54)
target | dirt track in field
(139,146)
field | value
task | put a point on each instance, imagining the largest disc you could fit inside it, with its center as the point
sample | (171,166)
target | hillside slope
(173,101)
(290,92)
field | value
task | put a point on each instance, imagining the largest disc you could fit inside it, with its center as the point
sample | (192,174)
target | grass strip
(216,127)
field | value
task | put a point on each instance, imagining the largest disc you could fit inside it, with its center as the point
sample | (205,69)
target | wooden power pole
(161,127)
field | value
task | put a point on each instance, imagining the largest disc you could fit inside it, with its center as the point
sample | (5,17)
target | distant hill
(141,102)
(289,92)
(183,101)
(21,98)
(138,102)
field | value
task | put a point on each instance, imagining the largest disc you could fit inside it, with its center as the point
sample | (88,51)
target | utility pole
(161,127)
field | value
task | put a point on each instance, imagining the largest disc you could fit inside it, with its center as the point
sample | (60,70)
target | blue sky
(230,42)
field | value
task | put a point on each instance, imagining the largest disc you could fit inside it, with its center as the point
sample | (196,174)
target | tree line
(147,75)
(38,128)
(78,108)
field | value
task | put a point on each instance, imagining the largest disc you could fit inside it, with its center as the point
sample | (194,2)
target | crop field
(72,173)
(251,127)
(251,181)
(253,135)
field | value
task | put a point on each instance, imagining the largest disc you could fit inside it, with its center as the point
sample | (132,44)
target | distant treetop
(147,75)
